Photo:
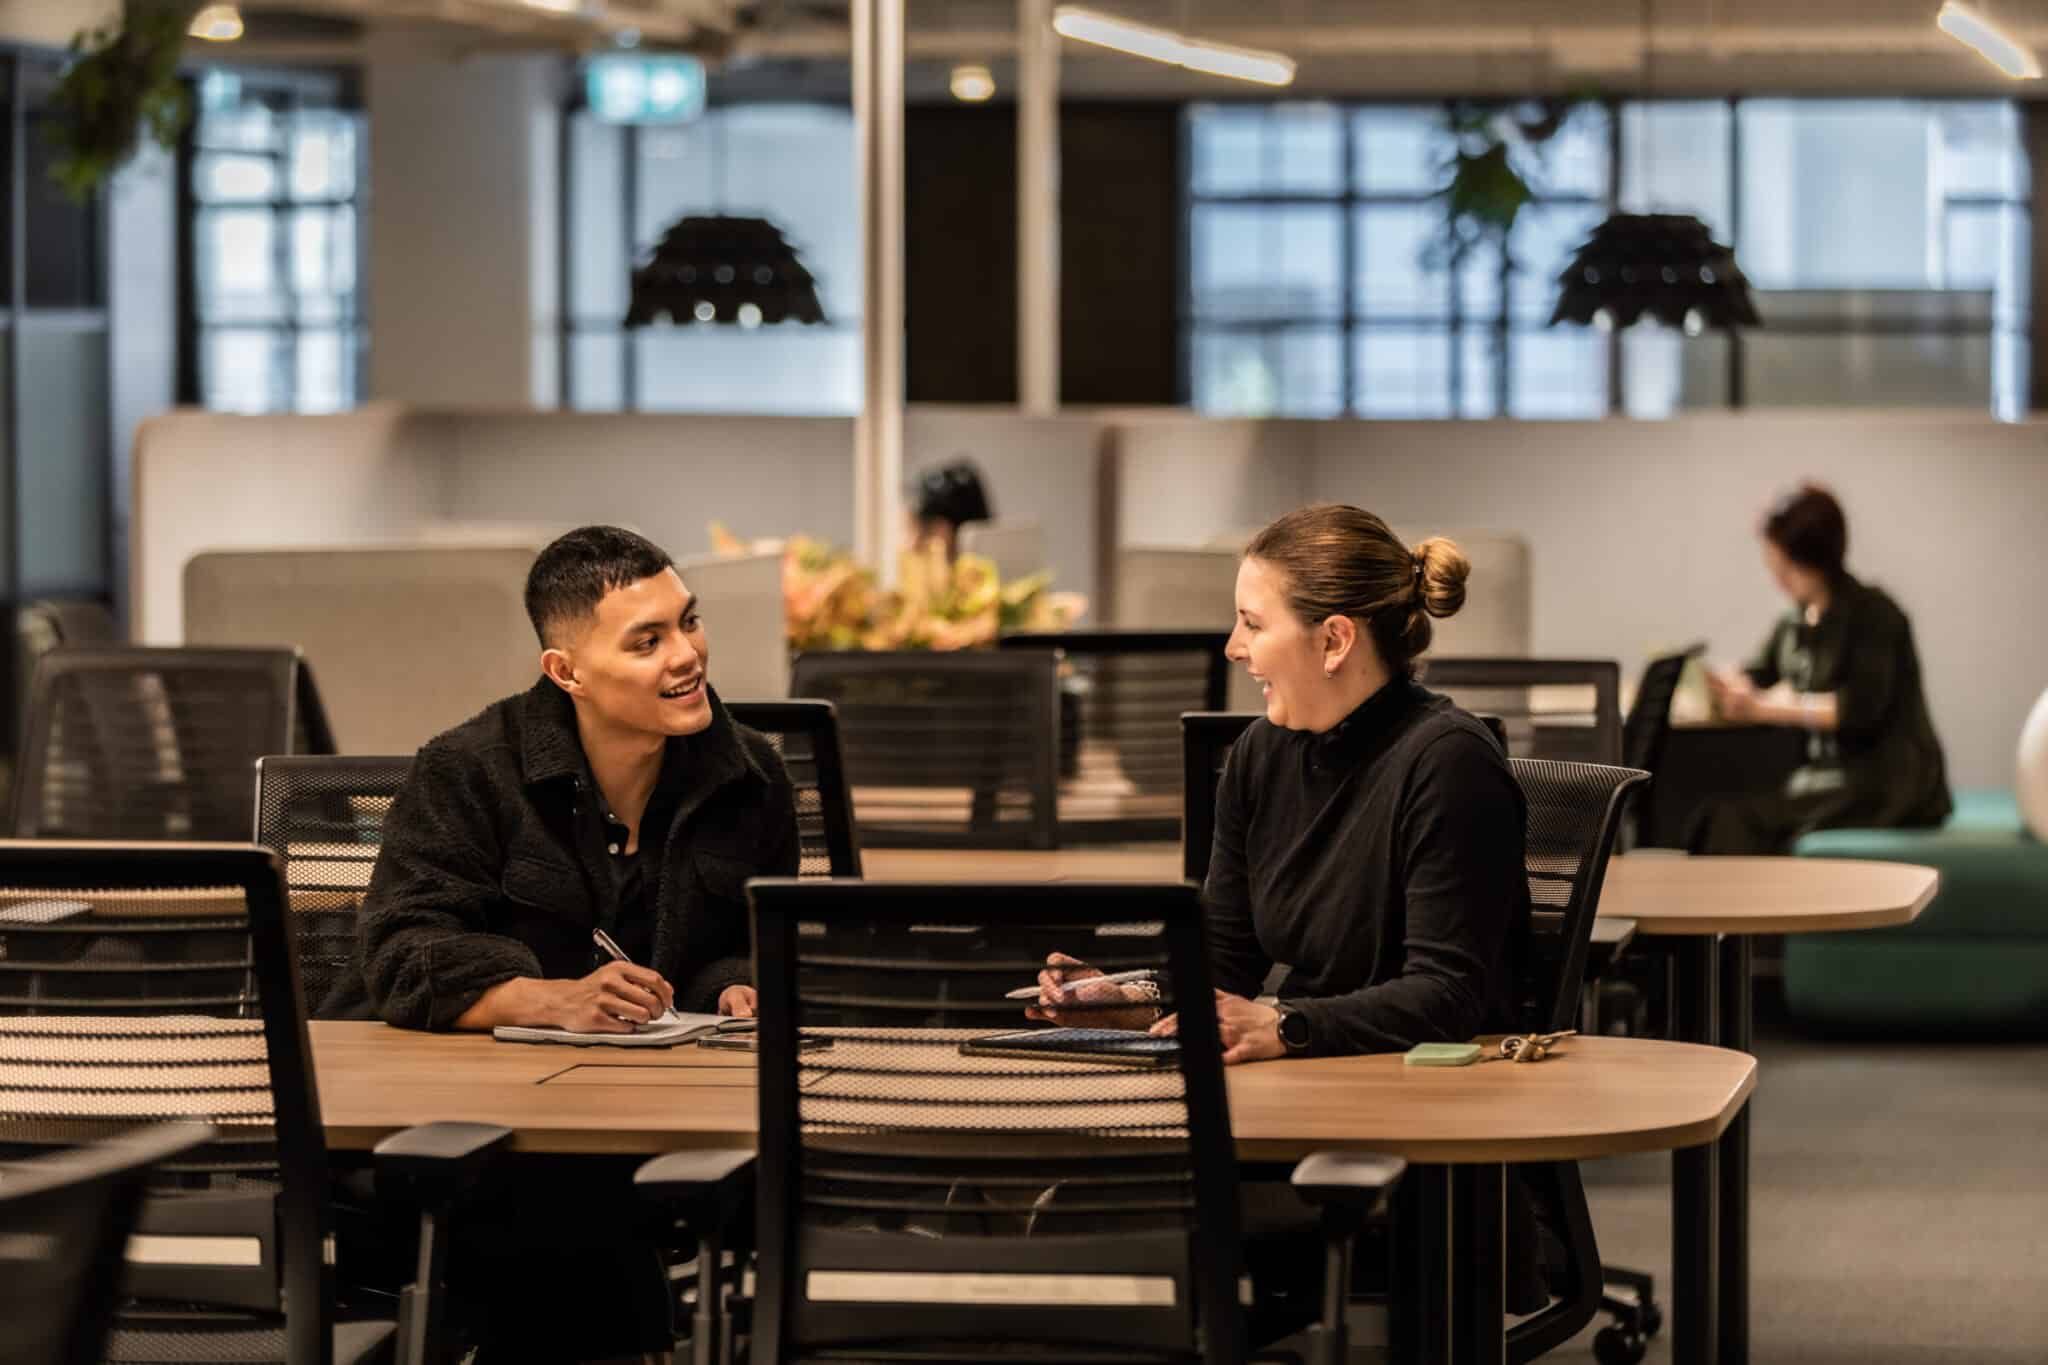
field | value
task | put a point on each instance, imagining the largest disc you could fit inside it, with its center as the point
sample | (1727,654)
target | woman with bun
(1369,834)
(1369,838)
(1841,666)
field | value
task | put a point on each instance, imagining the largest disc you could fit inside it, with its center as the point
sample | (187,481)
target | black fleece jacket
(490,869)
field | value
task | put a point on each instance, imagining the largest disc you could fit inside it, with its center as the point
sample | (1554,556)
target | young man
(615,794)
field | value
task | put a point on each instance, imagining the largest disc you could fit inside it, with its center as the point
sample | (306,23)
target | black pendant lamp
(1665,264)
(725,270)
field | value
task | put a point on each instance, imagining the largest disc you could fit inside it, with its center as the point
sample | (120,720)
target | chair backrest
(65,1221)
(1648,723)
(1206,738)
(453,612)
(914,1197)
(1574,813)
(141,983)
(745,621)
(958,749)
(1122,693)
(1165,587)
(1567,709)
(323,816)
(129,742)
(806,734)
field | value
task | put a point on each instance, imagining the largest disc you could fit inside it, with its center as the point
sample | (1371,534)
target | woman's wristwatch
(1295,1034)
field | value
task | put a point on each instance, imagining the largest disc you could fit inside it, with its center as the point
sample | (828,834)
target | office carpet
(1899,1202)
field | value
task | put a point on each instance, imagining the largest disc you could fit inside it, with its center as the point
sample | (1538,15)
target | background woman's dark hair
(1343,561)
(1807,524)
(952,492)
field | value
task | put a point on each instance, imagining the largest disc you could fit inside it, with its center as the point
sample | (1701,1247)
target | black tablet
(1115,1046)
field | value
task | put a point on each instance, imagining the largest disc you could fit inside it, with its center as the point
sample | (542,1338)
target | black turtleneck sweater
(1382,863)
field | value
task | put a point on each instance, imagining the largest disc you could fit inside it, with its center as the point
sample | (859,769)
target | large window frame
(287,315)
(1498,321)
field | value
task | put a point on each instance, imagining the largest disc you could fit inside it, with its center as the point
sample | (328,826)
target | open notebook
(670,1029)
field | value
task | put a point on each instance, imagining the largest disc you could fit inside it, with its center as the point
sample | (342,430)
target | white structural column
(878,432)
(1038,209)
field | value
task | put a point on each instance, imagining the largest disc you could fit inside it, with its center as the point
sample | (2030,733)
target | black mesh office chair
(955,750)
(908,1190)
(1576,718)
(65,1220)
(1124,692)
(145,982)
(323,816)
(1574,817)
(1648,725)
(128,742)
(806,734)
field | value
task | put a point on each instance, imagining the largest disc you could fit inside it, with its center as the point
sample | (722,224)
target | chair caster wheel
(1650,1319)
(1614,1346)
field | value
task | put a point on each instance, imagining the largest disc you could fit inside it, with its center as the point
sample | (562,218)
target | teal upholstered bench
(1974,963)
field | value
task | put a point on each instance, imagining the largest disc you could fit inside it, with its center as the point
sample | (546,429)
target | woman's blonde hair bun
(1444,571)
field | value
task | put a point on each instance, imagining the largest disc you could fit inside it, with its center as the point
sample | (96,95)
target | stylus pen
(1113,979)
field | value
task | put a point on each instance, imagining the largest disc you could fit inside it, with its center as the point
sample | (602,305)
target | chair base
(1637,1317)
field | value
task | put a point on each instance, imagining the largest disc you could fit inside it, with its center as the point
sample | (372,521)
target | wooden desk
(1667,895)
(1594,1097)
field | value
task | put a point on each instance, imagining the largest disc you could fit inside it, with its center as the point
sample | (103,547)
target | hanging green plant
(1488,182)
(121,79)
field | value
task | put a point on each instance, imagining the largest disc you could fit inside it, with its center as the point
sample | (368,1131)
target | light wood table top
(1729,895)
(1153,862)
(1663,894)
(1592,1097)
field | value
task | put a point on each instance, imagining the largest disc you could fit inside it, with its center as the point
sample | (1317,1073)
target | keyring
(1532,1047)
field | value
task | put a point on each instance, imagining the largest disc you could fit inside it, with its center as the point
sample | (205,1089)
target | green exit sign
(624,87)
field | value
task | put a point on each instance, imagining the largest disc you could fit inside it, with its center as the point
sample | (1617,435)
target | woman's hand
(1735,696)
(1250,1032)
(1069,995)
(740,1002)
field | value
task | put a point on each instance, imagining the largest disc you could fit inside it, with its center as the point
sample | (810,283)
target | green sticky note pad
(1441,1054)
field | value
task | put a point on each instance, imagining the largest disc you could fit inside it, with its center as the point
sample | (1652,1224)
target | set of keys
(1531,1047)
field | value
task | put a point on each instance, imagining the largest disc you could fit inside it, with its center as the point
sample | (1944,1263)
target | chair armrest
(681,1177)
(1610,939)
(439,1161)
(1359,1182)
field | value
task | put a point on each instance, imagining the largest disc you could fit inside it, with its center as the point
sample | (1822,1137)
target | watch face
(1294,1028)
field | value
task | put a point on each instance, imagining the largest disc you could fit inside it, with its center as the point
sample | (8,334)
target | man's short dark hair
(572,575)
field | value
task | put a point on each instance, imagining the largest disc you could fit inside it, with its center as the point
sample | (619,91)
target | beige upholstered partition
(404,641)
(1017,547)
(1494,622)
(744,623)
(1162,587)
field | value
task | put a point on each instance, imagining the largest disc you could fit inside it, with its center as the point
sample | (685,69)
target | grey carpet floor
(1899,1203)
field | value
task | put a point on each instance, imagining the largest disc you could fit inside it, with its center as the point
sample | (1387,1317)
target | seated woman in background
(1841,666)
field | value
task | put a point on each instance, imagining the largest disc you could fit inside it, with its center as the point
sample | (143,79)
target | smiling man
(615,794)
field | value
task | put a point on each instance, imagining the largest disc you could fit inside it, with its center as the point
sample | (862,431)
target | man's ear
(561,670)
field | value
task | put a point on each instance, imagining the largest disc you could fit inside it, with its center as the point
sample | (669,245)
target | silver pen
(618,954)
(1113,979)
